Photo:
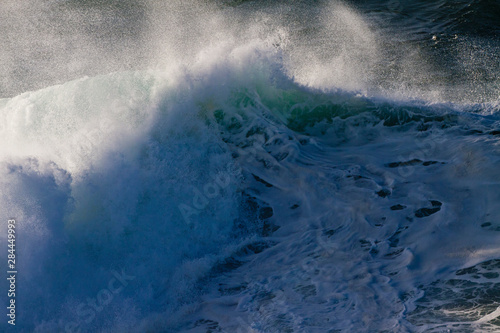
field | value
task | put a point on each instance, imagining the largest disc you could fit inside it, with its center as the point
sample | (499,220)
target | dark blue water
(251,166)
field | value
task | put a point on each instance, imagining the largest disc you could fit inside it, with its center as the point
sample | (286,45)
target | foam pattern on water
(229,196)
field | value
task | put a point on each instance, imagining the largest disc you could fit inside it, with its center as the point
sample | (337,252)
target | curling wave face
(263,185)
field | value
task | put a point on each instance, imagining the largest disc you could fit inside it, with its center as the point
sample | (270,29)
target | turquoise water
(248,167)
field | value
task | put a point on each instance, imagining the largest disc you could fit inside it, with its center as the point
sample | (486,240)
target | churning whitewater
(240,166)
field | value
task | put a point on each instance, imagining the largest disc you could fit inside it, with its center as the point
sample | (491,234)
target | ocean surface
(251,166)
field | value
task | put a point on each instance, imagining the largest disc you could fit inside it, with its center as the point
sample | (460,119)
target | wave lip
(294,179)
